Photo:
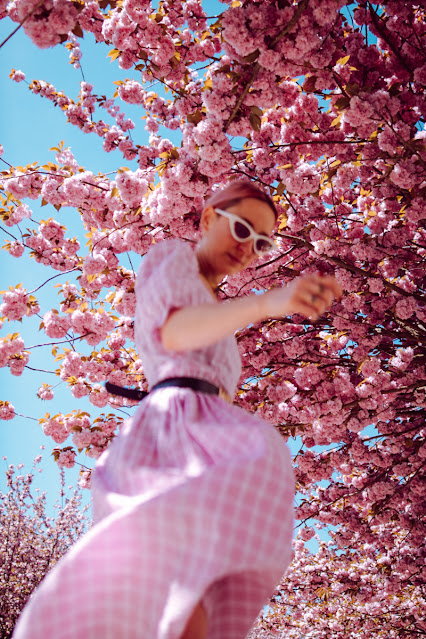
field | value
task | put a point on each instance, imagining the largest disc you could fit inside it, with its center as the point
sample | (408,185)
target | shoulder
(173,253)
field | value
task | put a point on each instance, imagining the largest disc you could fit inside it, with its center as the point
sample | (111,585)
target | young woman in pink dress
(193,500)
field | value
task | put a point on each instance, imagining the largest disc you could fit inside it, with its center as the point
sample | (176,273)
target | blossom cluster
(50,247)
(85,435)
(45,392)
(45,22)
(354,596)
(17,303)
(13,353)
(7,410)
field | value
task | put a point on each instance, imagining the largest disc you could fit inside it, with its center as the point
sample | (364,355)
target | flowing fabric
(192,501)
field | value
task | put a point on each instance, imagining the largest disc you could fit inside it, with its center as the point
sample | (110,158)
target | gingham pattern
(168,279)
(193,501)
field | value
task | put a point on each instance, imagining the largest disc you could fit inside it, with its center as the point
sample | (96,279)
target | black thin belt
(199,385)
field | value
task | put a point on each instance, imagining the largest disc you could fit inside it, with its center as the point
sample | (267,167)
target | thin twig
(52,278)
(39,370)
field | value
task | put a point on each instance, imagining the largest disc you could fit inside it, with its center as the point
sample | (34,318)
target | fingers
(308,295)
(316,294)
(331,284)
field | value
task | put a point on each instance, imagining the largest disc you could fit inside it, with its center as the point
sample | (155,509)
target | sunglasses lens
(241,230)
(263,245)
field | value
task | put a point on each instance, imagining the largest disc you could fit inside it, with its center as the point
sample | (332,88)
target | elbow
(170,340)
(168,335)
(169,344)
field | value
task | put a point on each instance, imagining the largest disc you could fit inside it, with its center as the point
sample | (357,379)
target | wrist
(275,303)
(263,310)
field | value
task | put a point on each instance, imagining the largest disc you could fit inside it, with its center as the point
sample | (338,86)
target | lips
(234,259)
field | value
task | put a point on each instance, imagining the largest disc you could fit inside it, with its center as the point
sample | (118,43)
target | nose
(246,249)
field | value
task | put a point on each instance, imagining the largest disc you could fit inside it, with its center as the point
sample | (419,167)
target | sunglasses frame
(232,218)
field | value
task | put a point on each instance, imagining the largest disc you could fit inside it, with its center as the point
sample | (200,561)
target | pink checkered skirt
(192,502)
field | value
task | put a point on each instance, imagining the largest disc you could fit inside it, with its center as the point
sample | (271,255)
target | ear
(207,218)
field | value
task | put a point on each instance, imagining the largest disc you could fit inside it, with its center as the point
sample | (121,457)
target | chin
(235,262)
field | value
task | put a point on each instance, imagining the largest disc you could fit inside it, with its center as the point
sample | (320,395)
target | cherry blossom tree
(31,542)
(365,590)
(323,105)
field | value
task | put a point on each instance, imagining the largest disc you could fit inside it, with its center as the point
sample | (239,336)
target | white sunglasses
(242,231)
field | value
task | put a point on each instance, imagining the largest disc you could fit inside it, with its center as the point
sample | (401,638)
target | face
(224,254)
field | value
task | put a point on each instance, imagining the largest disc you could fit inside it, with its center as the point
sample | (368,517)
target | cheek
(252,259)
(224,237)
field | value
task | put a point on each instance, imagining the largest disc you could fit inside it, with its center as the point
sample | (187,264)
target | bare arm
(195,327)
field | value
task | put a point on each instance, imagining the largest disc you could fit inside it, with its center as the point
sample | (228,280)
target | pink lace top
(168,279)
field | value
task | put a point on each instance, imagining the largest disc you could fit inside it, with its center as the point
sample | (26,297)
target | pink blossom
(402,358)
(125,302)
(17,76)
(353,302)
(112,138)
(80,389)
(359,111)
(132,186)
(84,479)
(56,325)
(17,214)
(308,376)
(51,190)
(151,125)
(66,459)
(9,347)
(304,179)
(16,304)
(46,23)
(16,249)
(7,410)
(72,365)
(99,396)
(131,92)
(93,264)
(75,51)
(403,176)
(82,438)
(55,428)
(306,533)
(45,392)
(355,425)
(282,392)
(370,367)
(404,308)
(375,285)
(74,190)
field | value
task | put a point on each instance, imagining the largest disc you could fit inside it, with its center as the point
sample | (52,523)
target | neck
(212,278)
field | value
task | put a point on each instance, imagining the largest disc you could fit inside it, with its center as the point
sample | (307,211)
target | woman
(193,500)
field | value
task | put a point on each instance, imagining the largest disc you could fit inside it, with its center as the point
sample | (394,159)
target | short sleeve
(168,279)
